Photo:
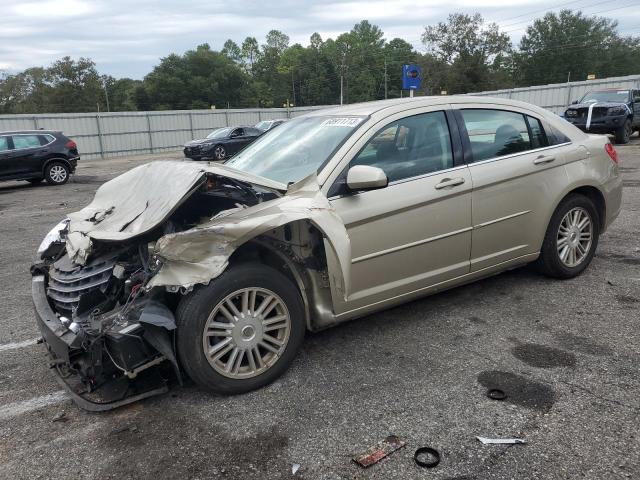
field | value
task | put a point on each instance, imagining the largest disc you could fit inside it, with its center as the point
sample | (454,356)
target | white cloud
(128,37)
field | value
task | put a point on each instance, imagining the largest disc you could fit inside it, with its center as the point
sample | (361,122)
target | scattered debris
(504,441)
(60,417)
(611,282)
(427,457)
(295,467)
(496,394)
(379,451)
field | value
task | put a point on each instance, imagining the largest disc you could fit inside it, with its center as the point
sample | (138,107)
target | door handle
(449,182)
(542,159)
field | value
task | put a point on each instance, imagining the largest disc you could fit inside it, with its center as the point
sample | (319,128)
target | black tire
(56,173)
(549,263)
(195,308)
(624,132)
(219,152)
(35,181)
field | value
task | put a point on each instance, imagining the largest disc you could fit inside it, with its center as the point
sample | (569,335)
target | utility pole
(385,78)
(106,94)
(342,81)
(293,88)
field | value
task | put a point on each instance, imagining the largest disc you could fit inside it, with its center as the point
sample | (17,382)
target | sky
(126,38)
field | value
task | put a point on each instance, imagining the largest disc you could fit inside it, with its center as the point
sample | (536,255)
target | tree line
(463,54)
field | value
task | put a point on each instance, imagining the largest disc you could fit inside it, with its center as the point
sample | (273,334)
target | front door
(416,232)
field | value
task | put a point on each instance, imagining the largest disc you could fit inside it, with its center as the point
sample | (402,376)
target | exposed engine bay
(106,309)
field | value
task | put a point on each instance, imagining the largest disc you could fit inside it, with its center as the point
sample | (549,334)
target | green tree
(476,55)
(557,45)
(198,79)
(231,50)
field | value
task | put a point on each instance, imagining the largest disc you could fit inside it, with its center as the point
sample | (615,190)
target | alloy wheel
(219,152)
(575,236)
(58,173)
(246,333)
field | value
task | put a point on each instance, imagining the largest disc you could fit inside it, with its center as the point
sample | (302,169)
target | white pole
(411,93)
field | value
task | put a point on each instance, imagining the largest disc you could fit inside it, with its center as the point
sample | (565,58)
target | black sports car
(221,143)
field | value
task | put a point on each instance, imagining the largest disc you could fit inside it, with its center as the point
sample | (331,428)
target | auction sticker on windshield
(341,122)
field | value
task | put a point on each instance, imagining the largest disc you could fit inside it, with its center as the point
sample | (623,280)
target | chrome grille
(67,281)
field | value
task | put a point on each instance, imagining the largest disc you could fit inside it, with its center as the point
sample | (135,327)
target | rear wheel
(571,239)
(242,331)
(624,132)
(56,173)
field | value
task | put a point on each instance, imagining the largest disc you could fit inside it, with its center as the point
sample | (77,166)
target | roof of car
(27,132)
(369,108)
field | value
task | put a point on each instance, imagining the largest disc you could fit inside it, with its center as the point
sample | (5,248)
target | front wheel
(571,238)
(242,331)
(623,133)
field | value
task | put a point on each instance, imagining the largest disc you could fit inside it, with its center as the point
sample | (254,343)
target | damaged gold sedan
(217,271)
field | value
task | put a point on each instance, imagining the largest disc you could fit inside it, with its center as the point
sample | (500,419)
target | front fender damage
(198,255)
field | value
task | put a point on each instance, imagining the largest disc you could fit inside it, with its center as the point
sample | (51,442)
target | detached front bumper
(63,345)
(608,124)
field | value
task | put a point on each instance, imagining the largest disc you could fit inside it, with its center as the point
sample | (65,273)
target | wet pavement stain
(520,390)
(542,356)
(627,299)
(477,320)
(580,344)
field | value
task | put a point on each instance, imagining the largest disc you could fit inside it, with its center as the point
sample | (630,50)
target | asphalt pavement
(567,353)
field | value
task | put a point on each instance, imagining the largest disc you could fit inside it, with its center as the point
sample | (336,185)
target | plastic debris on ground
(501,441)
(378,452)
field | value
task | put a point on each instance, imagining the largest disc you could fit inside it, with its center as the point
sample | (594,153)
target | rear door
(516,172)
(415,232)
(28,153)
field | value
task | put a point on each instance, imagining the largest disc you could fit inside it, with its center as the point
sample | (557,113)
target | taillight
(611,151)
(71,145)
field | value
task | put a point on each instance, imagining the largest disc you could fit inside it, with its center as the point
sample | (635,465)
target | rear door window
(25,141)
(495,133)
(538,137)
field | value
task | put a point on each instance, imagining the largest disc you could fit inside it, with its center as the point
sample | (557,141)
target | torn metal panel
(200,254)
(141,199)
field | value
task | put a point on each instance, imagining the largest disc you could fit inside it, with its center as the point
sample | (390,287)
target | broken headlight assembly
(55,236)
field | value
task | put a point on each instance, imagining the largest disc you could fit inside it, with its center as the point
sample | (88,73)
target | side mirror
(365,177)
(574,102)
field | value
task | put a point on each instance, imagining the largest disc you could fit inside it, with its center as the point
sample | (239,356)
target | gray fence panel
(108,134)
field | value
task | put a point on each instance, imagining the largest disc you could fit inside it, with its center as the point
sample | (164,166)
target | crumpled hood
(139,200)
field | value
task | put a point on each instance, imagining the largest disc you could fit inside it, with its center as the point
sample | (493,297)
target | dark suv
(36,155)
(614,111)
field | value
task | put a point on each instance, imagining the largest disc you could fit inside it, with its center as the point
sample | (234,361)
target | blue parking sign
(411,77)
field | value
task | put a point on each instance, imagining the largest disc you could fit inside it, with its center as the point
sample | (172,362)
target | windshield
(619,96)
(264,125)
(296,148)
(219,133)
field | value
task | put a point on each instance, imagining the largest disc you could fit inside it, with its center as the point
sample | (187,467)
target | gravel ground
(568,351)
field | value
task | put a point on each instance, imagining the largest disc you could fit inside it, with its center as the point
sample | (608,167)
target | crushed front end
(109,339)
